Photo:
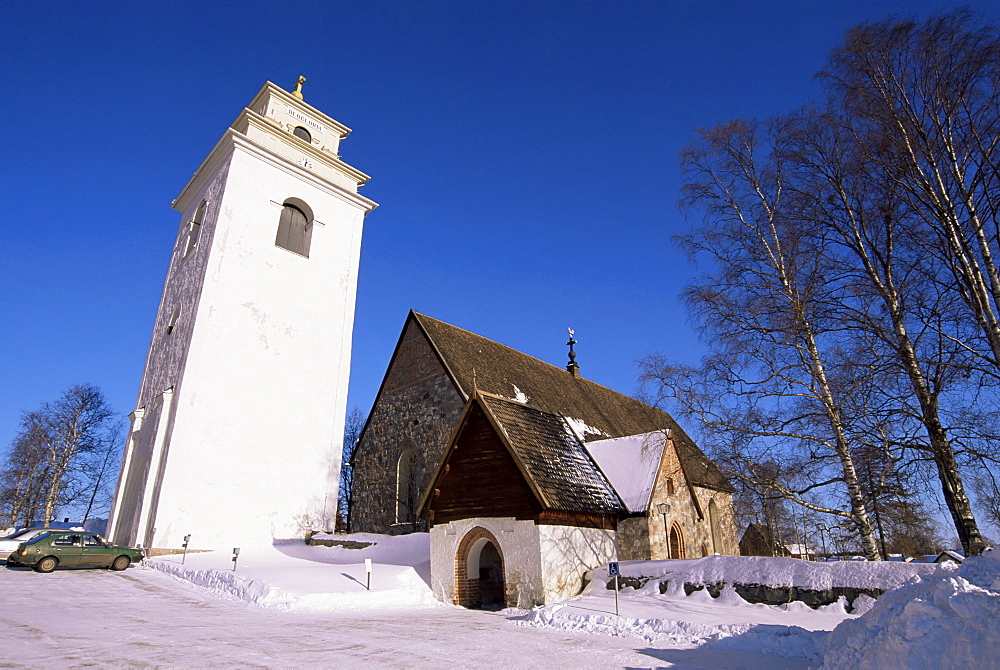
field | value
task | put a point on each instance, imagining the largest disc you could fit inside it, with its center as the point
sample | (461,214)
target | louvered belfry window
(294,230)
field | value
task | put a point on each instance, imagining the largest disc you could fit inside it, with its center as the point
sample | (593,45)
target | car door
(67,547)
(96,554)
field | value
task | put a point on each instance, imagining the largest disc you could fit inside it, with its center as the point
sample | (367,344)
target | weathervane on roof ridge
(297,93)
(475,389)
(572,366)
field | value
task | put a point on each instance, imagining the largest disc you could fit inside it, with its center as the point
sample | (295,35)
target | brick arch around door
(468,587)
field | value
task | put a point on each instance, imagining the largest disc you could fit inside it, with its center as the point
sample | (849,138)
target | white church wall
(166,358)
(267,370)
(257,361)
(567,552)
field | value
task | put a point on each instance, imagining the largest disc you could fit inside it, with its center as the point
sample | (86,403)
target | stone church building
(526,474)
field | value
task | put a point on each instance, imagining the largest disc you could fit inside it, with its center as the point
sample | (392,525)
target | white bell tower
(236,437)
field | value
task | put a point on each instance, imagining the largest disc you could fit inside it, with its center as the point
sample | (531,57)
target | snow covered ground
(292,605)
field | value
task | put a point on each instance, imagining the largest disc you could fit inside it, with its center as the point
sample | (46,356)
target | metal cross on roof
(572,366)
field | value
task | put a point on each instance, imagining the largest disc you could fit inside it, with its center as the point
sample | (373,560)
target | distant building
(948,556)
(800,551)
(527,474)
(758,540)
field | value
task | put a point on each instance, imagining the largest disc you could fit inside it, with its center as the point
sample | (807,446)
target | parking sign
(613,570)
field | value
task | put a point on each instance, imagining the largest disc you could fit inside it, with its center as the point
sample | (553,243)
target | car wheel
(120,563)
(47,564)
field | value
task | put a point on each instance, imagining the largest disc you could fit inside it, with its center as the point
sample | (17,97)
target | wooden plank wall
(481,478)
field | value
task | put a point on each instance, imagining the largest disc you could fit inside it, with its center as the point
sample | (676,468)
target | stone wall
(633,539)
(697,538)
(417,408)
(727,541)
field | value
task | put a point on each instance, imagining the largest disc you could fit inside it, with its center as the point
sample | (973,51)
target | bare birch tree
(893,157)
(22,480)
(46,464)
(857,285)
(353,426)
(922,102)
(769,313)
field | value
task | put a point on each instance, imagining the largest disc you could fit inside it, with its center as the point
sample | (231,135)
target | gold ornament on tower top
(298,87)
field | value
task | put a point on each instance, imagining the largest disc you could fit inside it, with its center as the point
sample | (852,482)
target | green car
(72,549)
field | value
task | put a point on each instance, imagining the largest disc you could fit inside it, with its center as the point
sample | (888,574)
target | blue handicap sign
(613,570)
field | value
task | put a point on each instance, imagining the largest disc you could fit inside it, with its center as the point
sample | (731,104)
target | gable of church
(507,459)
(480,478)
(412,419)
(434,370)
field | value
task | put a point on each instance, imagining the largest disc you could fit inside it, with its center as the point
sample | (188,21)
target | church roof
(594,411)
(552,458)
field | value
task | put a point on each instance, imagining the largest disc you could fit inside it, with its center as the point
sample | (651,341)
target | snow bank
(793,630)
(776,572)
(944,620)
(295,576)
(661,631)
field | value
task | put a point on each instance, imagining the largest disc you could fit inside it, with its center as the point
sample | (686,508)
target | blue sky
(524,155)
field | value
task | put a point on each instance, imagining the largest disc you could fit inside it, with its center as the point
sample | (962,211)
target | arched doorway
(491,586)
(479,573)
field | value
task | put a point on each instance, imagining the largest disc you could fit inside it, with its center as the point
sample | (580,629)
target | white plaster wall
(567,553)
(542,563)
(519,545)
(256,438)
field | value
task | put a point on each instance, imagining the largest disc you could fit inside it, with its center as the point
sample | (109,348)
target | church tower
(237,432)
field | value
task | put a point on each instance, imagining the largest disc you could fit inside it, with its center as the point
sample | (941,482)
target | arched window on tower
(294,230)
(302,134)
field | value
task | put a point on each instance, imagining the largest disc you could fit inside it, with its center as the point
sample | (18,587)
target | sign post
(368,570)
(236,554)
(615,572)
(187,538)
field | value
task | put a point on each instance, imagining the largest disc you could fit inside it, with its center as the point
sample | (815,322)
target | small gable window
(302,134)
(294,230)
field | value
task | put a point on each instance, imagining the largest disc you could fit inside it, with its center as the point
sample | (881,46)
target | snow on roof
(949,555)
(799,549)
(630,464)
